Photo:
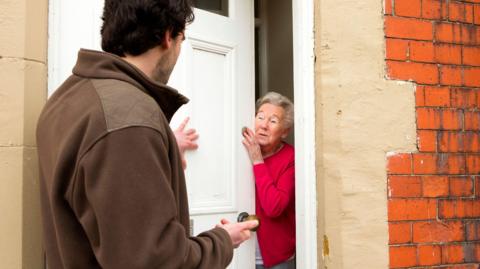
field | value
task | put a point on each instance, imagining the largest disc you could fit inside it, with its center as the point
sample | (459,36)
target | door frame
(305,130)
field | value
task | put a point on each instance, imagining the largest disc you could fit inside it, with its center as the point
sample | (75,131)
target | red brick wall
(434,193)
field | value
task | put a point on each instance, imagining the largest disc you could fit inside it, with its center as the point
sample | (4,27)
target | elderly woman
(274,170)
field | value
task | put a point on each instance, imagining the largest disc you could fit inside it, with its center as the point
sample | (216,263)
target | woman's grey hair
(277,99)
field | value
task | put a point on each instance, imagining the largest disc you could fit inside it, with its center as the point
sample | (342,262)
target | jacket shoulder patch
(124,105)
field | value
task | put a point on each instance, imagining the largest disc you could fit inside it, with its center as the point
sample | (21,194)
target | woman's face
(270,125)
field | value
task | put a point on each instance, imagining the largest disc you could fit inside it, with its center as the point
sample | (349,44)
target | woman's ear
(285,133)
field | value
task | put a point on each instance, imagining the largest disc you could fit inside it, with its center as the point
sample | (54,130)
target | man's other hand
(186,140)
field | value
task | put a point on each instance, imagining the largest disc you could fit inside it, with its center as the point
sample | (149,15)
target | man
(112,184)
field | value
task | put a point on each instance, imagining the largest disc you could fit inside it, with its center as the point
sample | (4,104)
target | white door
(216,71)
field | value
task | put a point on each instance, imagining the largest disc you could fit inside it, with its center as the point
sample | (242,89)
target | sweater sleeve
(275,194)
(124,200)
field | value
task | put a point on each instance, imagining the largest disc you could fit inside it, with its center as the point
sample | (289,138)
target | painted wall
(23,47)
(361,117)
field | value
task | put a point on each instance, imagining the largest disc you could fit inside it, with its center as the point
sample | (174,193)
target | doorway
(284,62)
(67,33)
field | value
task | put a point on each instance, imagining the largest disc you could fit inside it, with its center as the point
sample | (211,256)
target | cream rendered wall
(360,117)
(23,47)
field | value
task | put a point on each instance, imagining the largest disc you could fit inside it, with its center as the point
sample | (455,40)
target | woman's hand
(186,140)
(250,143)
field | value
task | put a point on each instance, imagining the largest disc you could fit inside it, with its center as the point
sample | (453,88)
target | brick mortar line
(436,42)
(464,219)
(466,109)
(435,243)
(433,20)
(433,40)
(449,130)
(439,266)
(455,87)
(393,8)
(454,132)
(405,175)
(417,221)
(458,153)
(400,152)
(467,1)
(472,197)
(452,152)
(451,175)
(435,63)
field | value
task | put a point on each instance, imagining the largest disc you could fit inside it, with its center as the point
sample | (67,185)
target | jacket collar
(103,65)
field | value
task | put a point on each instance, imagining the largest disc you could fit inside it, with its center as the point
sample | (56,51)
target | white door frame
(305,147)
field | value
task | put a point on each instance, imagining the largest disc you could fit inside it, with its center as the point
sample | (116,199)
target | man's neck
(146,61)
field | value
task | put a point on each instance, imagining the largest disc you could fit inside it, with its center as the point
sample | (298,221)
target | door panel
(211,110)
(215,70)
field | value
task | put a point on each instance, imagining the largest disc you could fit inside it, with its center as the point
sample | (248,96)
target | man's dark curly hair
(135,26)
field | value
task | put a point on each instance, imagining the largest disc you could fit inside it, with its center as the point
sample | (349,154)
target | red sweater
(275,206)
